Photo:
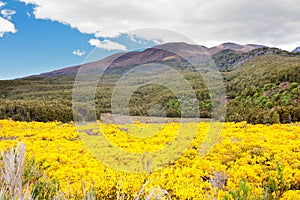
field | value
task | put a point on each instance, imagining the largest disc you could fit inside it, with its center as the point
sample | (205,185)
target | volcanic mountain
(160,53)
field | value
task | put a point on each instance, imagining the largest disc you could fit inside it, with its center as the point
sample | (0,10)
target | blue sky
(43,45)
(43,35)
(38,45)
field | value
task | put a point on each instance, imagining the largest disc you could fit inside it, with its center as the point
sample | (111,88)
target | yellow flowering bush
(252,160)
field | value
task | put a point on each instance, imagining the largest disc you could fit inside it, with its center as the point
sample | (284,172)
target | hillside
(265,90)
(262,85)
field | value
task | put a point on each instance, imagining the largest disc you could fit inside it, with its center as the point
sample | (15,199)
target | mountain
(297,50)
(161,53)
(227,60)
(237,48)
(262,85)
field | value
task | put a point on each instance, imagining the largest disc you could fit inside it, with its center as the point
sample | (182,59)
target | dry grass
(12,173)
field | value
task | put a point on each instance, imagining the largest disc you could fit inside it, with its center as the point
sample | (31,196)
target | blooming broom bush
(247,162)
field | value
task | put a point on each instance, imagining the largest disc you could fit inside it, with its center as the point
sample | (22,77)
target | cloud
(107,44)
(6,13)
(6,27)
(2,4)
(270,22)
(79,52)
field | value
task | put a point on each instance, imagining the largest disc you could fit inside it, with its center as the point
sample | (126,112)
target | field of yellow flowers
(247,162)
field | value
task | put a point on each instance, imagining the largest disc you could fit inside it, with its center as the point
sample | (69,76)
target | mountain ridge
(158,53)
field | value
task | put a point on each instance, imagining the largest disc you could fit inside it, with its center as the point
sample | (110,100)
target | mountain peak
(237,48)
(231,45)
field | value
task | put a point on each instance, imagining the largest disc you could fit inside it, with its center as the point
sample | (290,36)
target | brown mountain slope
(159,53)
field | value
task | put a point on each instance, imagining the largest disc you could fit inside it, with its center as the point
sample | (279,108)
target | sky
(43,35)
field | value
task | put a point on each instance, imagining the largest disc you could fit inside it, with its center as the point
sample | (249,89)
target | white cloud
(107,44)
(132,39)
(2,4)
(6,27)
(79,52)
(270,22)
(6,13)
